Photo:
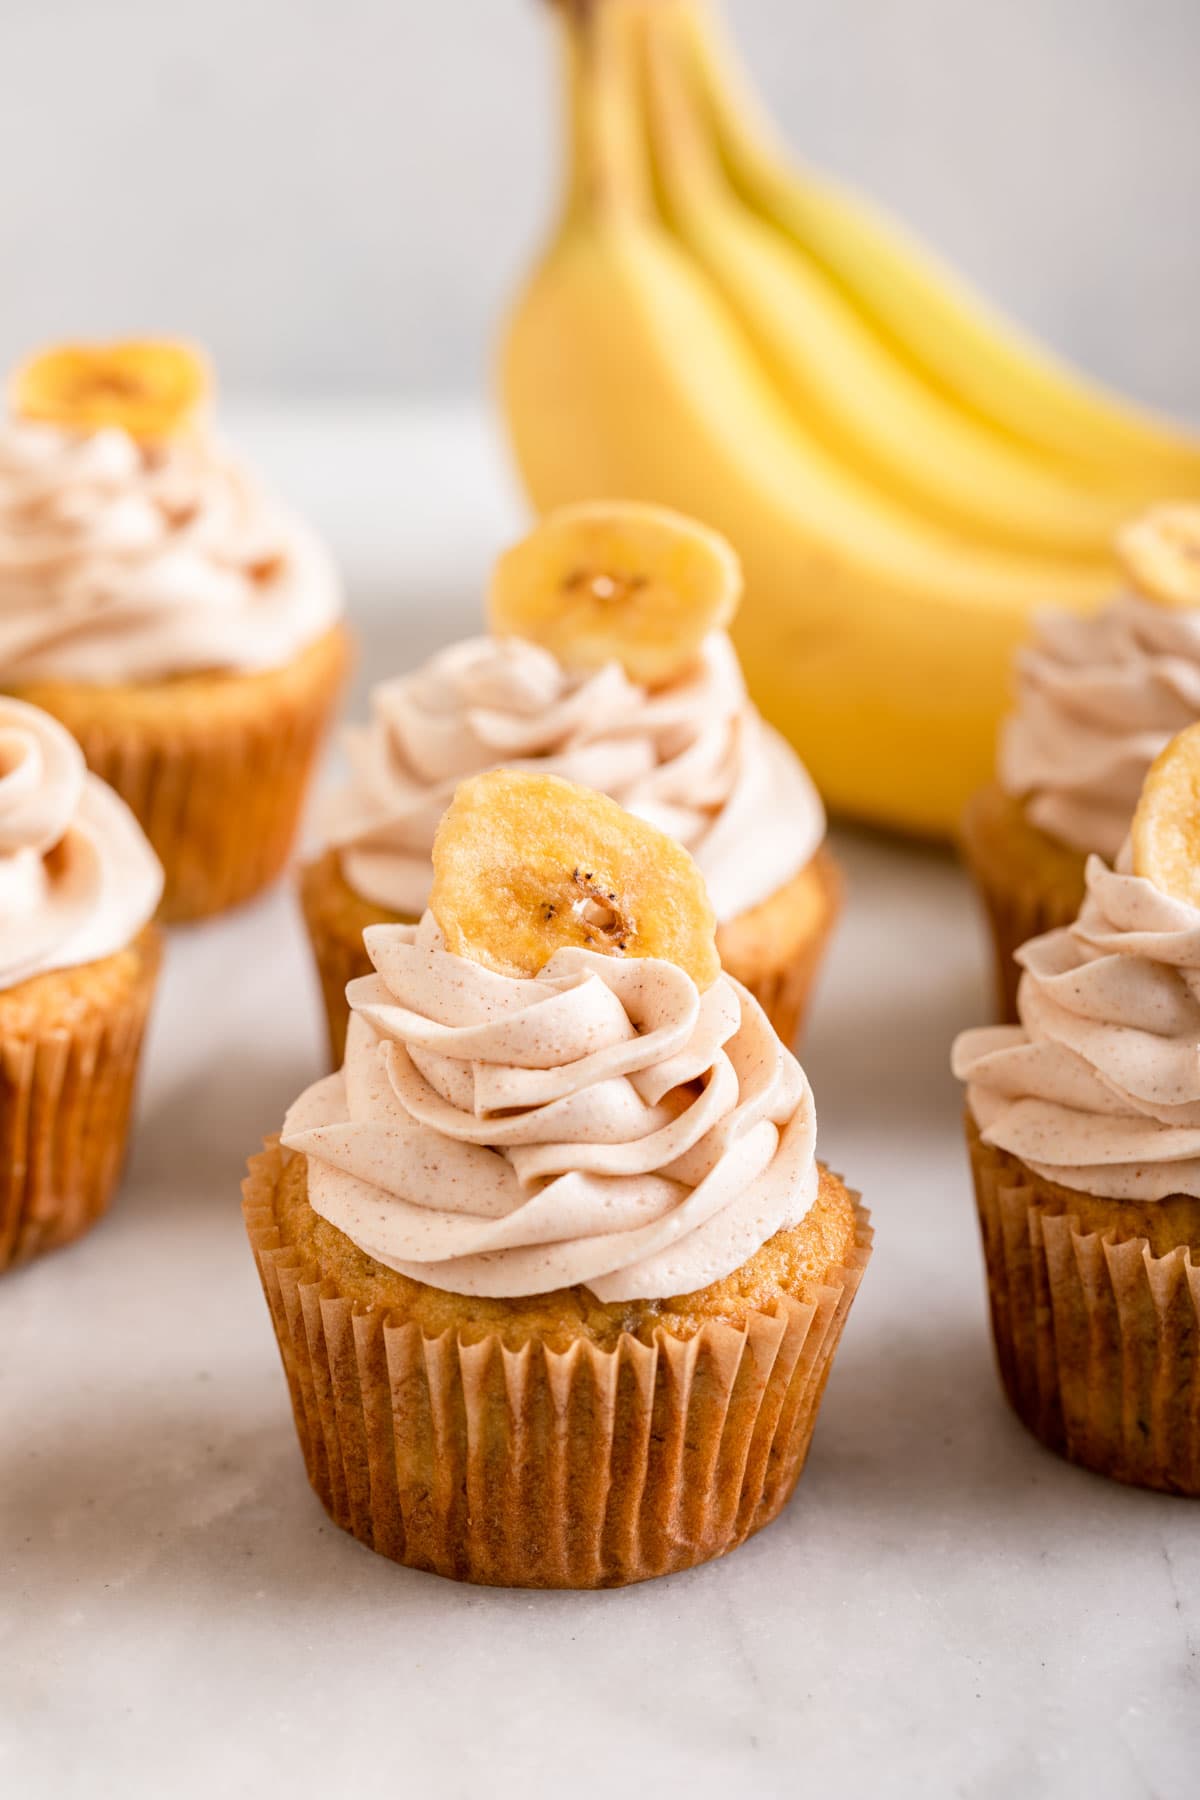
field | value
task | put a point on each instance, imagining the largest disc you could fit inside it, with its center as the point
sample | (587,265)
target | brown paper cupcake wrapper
(1019,902)
(219,790)
(1098,1340)
(65,1103)
(582,1468)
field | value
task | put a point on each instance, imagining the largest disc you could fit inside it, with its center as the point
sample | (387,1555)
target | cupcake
(556,1277)
(178,621)
(608,665)
(1097,699)
(78,959)
(1084,1128)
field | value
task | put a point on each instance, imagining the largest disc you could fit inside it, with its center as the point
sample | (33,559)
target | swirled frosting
(602,1123)
(1098,1088)
(1097,699)
(77,878)
(121,562)
(693,758)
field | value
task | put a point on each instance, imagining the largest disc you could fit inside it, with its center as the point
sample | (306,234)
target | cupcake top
(1098,1087)
(602,1123)
(608,665)
(133,545)
(608,1118)
(1099,697)
(77,878)
(693,757)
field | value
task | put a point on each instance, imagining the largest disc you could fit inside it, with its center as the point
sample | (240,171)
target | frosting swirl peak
(600,1124)
(77,878)
(127,562)
(1097,699)
(693,758)
(1098,1088)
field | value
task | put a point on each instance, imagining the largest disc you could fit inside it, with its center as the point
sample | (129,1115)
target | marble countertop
(944,1609)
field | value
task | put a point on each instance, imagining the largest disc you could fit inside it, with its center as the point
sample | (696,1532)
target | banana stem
(717,68)
(608,167)
(688,171)
(575,199)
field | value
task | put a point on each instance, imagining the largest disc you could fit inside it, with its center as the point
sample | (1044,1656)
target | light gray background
(338,195)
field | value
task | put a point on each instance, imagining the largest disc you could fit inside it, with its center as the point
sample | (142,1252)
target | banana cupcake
(555,1274)
(1097,699)
(609,665)
(160,603)
(1083,1122)
(78,959)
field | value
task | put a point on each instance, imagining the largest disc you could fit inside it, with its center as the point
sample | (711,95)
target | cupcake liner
(65,1101)
(1022,897)
(534,1467)
(218,781)
(1097,1338)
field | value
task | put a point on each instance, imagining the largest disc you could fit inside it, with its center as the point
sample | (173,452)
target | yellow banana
(928,314)
(878,639)
(841,380)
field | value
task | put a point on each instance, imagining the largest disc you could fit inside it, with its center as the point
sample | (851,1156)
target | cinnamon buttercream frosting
(1097,699)
(1098,1087)
(603,1123)
(77,878)
(124,562)
(694,758)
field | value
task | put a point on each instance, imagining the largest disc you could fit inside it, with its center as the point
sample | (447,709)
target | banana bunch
(904,477)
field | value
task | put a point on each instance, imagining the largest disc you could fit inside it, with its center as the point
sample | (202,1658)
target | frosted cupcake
(555,1274)
(1084,1129)
(78,959)
(609,665)
(1097,699)
(155,599)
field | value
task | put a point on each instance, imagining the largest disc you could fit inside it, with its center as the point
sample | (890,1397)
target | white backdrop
(338,194)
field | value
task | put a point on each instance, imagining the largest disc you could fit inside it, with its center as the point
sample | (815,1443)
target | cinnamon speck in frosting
(78,880)
(601,1124)
(1098,1087)
(693,758)
(123,563)
(1097,699)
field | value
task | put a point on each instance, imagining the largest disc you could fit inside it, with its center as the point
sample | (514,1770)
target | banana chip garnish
(1161,554)
(153,389)
(525,864)
(617,581)
(1166,825)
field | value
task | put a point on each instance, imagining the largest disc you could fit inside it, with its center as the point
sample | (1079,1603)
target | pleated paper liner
(66,1093)
(215,766)
(1027,883)
(582,1468)
(775,950)
(1097,1336)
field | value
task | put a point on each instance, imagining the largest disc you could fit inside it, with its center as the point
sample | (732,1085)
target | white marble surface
(944,1609)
